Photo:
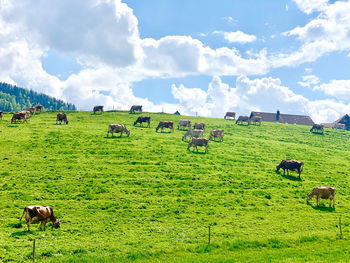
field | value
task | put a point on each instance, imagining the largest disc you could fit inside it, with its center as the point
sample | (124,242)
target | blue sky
(201,57)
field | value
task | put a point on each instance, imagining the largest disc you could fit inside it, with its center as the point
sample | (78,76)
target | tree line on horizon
(13,98)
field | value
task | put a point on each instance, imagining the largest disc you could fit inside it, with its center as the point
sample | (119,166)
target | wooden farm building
(343,120)
(283,118)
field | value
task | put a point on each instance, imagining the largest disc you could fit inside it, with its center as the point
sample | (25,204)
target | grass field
(147,198)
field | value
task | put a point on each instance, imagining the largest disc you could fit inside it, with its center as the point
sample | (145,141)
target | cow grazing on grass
(184,123)
(136,108)
(230,115)
(256,120)
(340,126)
(288,164)
(165,124)
(39,108)
(19,116)
(317,128)
(242,119)
(27,113)
(322,192)
(32,110)
(61,117)
(115,128)
(40,213)
(98,108)
(1,113)
(193,134)
(195,142)
(217,133)
(143,119)
(199,126)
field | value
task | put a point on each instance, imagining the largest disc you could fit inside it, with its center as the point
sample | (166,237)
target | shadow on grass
(318,133)
(139,126)
(164,132)
(242,124)
(322,207)
(290,177)
(21,233)
(195,152)
(216,141)
(115,137)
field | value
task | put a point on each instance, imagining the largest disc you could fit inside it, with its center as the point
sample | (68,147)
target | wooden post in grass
(34,251)
(341,233)
(209,236)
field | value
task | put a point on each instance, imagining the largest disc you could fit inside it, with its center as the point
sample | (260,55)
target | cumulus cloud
(309,6)
(339,89)
(236,37)
(328,32)
(309,80)
(259,94)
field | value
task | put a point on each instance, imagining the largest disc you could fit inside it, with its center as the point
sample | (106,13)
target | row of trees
(13,98)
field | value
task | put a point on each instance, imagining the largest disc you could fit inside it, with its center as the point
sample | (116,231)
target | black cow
(98,108)
(136,108)
(288,164)
(143,119)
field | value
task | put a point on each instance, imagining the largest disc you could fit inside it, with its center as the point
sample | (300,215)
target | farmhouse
(283,118)
(344,120)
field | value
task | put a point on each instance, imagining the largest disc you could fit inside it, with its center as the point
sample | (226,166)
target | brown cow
(198,142)
(322,192)
(193,134)
(199,126)
(19,116)
(165,124)
(98,108)
(40,213)
(135,108)
(31,110)
(143,119)
(318,128)
(1,114)
(61,117)
(230,115)
(288,164)
(39,108)
(256,120)
(242,119)
(217,133)
(184,123)
(115,128)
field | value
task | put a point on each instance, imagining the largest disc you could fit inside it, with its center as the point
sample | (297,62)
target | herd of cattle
(45,214)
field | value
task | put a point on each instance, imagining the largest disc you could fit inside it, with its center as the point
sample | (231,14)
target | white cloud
(230,19)
(309,80)
(309,6)
(339,89)
(236,37)
(261,94)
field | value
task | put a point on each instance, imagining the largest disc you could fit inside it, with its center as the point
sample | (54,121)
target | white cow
(115,128)
(193,134)
(322,192)
(184,123)
(217,133)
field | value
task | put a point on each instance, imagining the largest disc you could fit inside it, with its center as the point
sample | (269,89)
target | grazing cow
(98,108)
(61,117)
(40,213)
(1,113)
(242,119)
(217,133)
(288,164)
(19,116)
(322,192)
(256,120)
(136,108)
(39,108)
(184,123)
(165,124)
(317,128)
(199,126)
(32,110)
(27,113)
(230,115)
(115,128)
(193,134)
(338,126)
(198,142)
(143,119)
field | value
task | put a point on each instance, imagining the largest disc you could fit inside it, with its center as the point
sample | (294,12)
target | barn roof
(283,118)
(345,120)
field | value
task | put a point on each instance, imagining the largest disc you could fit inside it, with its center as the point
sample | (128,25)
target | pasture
(146,198)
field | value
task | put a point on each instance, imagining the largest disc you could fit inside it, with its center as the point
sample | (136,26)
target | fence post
(209,236)
(34,251)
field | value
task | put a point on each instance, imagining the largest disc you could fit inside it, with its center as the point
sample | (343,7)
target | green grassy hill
(146,198)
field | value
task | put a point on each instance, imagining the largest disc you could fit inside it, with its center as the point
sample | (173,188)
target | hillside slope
(146,198)
(13,98)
